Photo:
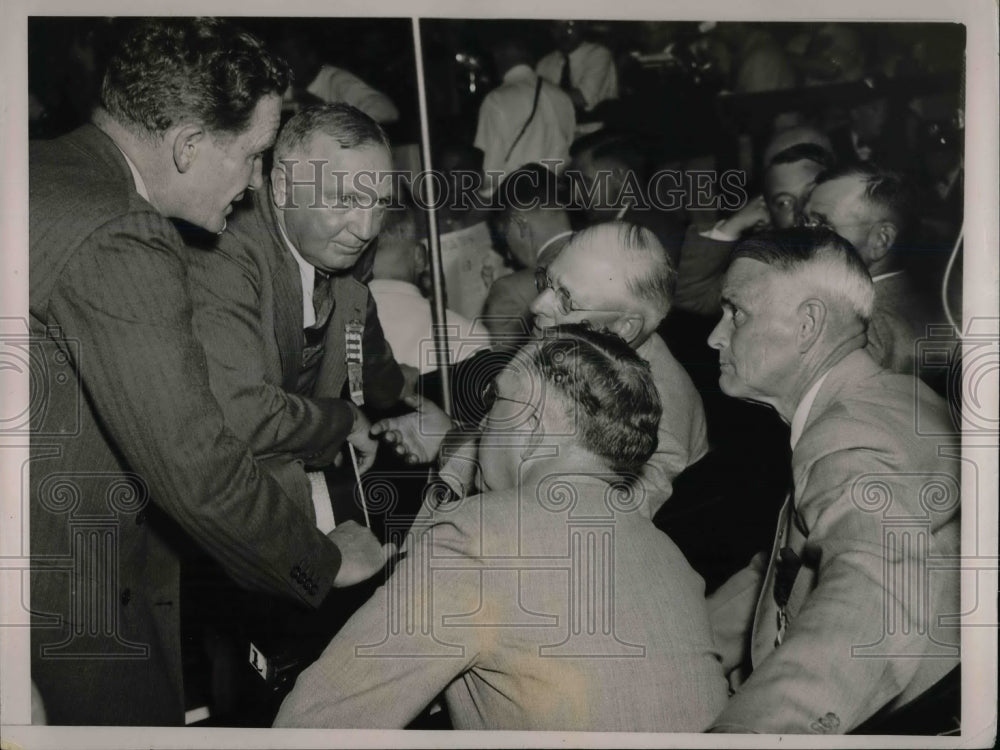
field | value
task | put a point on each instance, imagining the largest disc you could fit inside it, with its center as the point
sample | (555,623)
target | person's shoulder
(862,406)
(80,187)
(249,238)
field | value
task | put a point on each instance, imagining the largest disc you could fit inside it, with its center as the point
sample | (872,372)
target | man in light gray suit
(549,601)
(845,617)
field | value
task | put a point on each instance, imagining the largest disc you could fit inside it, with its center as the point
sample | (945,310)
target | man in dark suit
(277,300)
(133,461)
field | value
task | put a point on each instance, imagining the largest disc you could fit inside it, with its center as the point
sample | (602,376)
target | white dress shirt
(592,71)
(504,112)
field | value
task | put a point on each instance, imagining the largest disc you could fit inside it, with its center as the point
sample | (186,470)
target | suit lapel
(287,283)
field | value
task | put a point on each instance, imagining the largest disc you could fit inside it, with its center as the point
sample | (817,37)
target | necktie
(565,81)
(322,299)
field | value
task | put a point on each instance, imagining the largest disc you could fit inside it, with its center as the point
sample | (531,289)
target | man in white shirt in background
(314,80)
(585,70)
(401,278)
(523,120)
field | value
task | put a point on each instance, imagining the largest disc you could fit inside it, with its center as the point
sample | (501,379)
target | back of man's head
(347,125)
(398,254)
(821,262)
(651,275)
(804,152)
(793,136)
(532,204)
(611,148)
(886,194)
(171,70)
(509,51)
(605,389)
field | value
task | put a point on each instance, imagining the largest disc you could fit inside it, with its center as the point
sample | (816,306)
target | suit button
(126,597)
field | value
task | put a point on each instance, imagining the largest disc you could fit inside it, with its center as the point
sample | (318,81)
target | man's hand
(410,377)
(361,555)
(753,214)
(416,436)
(365,446)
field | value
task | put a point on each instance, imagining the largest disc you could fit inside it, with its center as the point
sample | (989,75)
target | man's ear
(279,186)
(187,140)
(881,238)
(811,322)
(629,326)
(535,438)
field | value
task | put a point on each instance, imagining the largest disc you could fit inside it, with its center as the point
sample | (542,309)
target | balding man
(134,438)
(612,276)
(869,207)
(843,619)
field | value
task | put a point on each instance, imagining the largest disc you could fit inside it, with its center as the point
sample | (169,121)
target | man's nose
(540,304)
(364,223)
(719,337)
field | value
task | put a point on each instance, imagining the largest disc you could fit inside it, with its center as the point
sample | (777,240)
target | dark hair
(605,144)
(206,69)
(803,152)
(348,125)
(532,186)
(885,190)
(607,388)
(836,267)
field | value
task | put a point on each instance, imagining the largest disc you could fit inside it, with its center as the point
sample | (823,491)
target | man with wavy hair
(132,460)
(548,602)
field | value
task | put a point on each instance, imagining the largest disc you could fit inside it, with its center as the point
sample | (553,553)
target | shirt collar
(519,73)
(307,273)
(140,186)
(883,276)
(802,410)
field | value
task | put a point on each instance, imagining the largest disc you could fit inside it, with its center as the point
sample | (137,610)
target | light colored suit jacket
(683,432)
(875,520)
(555,607)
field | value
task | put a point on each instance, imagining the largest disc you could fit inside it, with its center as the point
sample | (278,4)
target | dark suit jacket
(131,459)
(247,297)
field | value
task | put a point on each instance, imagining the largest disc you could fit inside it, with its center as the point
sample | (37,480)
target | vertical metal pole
(437,272)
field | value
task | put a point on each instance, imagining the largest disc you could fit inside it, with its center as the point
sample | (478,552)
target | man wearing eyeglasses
(548,602)
(614,276)
(870,207)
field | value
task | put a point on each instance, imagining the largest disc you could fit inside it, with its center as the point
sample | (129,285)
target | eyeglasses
(490,394)
(566,305)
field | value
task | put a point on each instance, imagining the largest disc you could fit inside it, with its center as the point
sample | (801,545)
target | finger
(413,399)
(412,459)
(379,427)
(389,551)
(338,461)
